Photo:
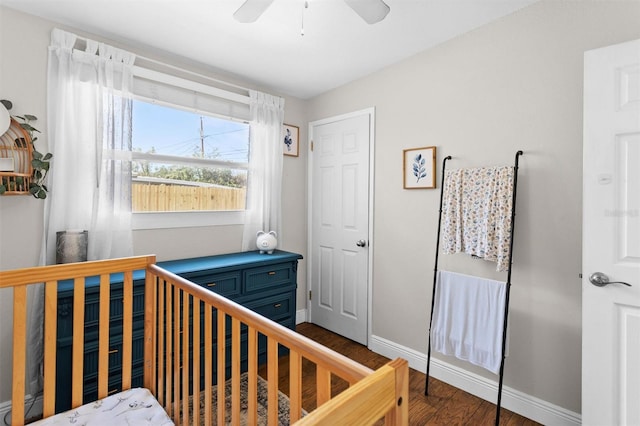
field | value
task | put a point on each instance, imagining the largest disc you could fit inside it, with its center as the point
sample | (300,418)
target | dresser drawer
(276,307)
(224,284)
(267,277)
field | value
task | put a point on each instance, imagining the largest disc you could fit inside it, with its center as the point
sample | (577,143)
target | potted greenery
(39,163)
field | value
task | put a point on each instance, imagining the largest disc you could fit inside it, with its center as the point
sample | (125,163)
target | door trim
(372,118)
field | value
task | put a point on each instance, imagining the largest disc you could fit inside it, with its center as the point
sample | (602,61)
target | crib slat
(221,366)
(78,343)
(161,345)
(50,330)
(252,377)
(323,385)
(103,339)
(176,358)
(196,362)
(127,330)
(150,333)
(208,364)
(19,354)
(272,381)
(185,357)
(169,344)
(235,372)
(295,386)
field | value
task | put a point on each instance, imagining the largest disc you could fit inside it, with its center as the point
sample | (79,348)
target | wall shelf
(16,153)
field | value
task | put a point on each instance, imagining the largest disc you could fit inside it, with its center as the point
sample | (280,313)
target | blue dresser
(265,283)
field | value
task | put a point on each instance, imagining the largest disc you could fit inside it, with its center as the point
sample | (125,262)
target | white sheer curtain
(89,134)
(265,168)
(89,116)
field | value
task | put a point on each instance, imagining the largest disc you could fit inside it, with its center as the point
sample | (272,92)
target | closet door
(611,237)
(339,212)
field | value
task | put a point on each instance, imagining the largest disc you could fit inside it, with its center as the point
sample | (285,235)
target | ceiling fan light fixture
(372,11)
(251,10)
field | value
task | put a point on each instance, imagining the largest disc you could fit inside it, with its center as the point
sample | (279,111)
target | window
(185,161)
(190,153)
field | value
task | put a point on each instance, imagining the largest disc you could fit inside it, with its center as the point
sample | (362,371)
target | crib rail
(181,316)
(380,394)
(21,279)
(164,321)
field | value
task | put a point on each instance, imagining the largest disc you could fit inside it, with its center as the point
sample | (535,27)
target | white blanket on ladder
(468,319)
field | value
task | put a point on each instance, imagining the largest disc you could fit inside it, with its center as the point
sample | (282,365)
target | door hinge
(309,294)
(311,146)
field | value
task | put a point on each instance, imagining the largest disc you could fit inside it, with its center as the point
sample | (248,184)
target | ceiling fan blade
(371,11)
(251,10)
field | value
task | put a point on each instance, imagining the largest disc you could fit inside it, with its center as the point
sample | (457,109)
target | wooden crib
(176,310)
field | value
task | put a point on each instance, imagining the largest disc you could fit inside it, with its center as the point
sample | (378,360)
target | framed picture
(419,168)
(291,139)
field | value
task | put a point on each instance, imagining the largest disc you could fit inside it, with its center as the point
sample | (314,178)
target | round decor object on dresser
(266,242)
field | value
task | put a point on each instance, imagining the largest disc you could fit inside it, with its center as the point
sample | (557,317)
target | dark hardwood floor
(446,405)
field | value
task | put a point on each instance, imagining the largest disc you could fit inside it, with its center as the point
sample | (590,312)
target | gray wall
(514,84)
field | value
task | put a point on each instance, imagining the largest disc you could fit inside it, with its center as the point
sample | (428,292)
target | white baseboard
(35,410)
(301,316)
(513,400)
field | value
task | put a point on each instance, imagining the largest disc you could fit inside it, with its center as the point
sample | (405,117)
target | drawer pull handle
(272,272)
(277,305)
(211,285)
(112,391)
(113,351)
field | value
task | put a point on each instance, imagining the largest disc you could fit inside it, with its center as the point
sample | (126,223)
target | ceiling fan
(371,11)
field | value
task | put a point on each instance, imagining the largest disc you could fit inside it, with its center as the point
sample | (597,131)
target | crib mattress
(131,407)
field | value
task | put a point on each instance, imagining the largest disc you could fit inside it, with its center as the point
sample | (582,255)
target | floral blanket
(476,208)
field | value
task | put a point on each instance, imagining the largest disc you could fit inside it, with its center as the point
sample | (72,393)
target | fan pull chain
(306,6)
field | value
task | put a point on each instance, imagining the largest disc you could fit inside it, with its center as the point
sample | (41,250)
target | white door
(339,211)
(611,236)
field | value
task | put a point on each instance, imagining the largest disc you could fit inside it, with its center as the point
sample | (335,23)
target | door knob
(361,243)
(599,279)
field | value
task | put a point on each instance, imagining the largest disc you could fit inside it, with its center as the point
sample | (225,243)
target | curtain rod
(175,68)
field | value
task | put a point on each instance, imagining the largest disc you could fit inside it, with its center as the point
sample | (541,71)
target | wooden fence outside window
(152,198)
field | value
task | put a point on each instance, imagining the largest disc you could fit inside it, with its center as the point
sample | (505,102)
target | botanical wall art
(419,168)
(291,137)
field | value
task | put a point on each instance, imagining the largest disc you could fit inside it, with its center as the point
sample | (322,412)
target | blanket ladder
(508,283)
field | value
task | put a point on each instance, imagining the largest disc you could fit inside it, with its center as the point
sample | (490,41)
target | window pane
(166,185)
(184,188)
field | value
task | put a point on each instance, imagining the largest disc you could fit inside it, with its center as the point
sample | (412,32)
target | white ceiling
(337,46)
